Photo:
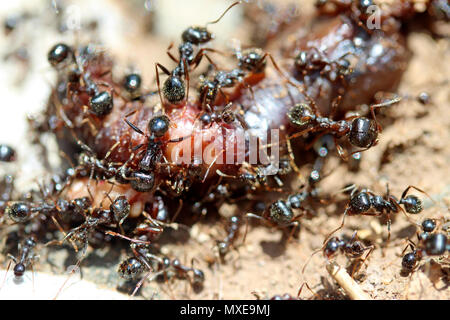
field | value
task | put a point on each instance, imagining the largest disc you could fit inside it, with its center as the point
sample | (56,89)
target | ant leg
(309,288)
(339,228)
(420,190)
(170,54)
(158,65)
(380,105)
(301,89)
(186,76)
(249,215)
(334,106)
(6,272)
(309,259)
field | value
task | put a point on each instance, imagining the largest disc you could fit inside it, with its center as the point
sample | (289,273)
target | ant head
(251,60)
(58,54)
(332,246)
(301,60)
(428,225)
(174,89)
(301,115)
(361,202)
(101,103)
(280,213)
(159,125)
(409,261)
(130,268)
(196,35)
(120,208)
(132,82)
(19,269)
(412,204)
(436,244)
(363,132)
(18,211)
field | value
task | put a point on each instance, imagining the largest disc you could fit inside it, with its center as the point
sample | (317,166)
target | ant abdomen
(412,204)
(363,132)
(174,89)
(281,213)
(131,268)
(18,211)
(436,244)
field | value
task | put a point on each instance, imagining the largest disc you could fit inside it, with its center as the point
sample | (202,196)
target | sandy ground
(413,150)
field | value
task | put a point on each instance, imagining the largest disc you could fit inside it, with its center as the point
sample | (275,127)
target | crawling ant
(209,89)
(158,126)
(225,115)
(352,248)
(7,153)
(174,88)
(100,102)
(434,244)
(360,131)
(133,267)
(361,203)
(26,255)
(314,60)
(233,231)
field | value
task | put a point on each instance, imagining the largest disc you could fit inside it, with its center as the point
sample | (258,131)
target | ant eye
(132,82)
(18,212)
(174,89)
(363,132)
(101,104)
(58,54)
(159,125)
(300,115)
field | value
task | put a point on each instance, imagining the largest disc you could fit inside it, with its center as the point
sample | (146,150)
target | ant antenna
(221,16)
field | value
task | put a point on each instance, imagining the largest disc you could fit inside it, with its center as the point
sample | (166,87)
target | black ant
(174,88)
(233,232)
(26,255)
(100,102)
(133,267)
(361,131)
(361,203)
(158,126)
(352,248)
(208,89)
(434,244)
(225,115)
(7,153)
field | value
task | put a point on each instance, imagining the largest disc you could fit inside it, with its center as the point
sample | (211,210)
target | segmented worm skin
(381,58)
